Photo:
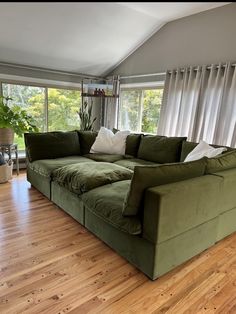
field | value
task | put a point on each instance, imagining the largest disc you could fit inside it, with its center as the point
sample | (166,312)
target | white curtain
(200,103)
(111,106)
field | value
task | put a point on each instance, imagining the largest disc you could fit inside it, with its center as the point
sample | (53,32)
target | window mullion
(46,108)
(140,116)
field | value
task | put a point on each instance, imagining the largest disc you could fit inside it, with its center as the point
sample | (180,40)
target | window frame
(39,83)
(139,87)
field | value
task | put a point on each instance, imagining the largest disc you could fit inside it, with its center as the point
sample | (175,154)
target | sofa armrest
(172,209)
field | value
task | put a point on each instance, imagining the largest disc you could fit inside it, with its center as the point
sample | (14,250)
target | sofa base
(133,248)
(68,201)
(154,260)
(226,223)
(41,183)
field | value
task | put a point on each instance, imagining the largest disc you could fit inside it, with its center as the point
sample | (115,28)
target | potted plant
(13,120)
(85,114)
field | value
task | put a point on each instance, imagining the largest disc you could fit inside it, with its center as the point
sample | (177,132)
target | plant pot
(6,136)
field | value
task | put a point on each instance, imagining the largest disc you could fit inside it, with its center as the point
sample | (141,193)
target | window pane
(151,110)
(63,106)
(130,110)
(30,98)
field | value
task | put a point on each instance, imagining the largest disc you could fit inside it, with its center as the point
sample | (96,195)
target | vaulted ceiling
(82,37)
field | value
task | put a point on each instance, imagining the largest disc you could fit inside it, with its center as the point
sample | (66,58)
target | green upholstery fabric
(147,147)
(187,147)
(160,149)
(104,157)
(81,178)
(41,183)
(148,176)
(175,251)
(132,144)
(68,201)
(45,167)
(228,188)
(174,208)
(226,223)
(222,162)
(51,145)
(106,202)
(86,138)
(133,248)
(131,163)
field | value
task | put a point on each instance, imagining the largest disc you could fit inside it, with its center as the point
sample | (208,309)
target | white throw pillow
(109,143)
(204,149)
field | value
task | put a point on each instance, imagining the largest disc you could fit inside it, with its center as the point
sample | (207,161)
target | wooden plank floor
(49,263)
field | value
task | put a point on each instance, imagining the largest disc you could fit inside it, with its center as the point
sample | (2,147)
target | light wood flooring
(49,263)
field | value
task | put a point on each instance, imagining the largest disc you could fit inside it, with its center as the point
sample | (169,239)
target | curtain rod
(143,75)
(207,67)
(164,73)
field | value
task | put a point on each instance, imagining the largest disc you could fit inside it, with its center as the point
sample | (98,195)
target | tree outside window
(140,110)
(54,109)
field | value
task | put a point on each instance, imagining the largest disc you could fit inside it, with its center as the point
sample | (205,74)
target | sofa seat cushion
(107,201)
(82,177)
(131,163)
(45,167)
(160,149)
(104,157)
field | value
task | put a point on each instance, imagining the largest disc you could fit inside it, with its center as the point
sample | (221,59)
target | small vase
(6,136)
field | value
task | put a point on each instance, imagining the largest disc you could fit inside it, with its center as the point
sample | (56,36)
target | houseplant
(13,119)
(85,114)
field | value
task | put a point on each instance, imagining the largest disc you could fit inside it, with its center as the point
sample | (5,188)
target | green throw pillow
(51,145)
(160,149)
(145,177)
(221,162)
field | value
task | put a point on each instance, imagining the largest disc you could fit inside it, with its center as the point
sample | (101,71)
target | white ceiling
(83,37)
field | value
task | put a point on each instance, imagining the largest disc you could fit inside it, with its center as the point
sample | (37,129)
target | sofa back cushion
(132,144)
(145,177)
(187,147)
(51,145)
(86,139)
(222,162)
(160,149)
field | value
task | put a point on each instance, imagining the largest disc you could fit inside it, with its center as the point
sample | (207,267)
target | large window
(54,109)
(140,109)
(63,106)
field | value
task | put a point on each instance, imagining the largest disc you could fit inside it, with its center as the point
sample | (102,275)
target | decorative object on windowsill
(6,171)
(85,115)
(13,119)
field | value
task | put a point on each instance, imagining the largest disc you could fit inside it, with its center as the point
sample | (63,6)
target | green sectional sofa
(148,205)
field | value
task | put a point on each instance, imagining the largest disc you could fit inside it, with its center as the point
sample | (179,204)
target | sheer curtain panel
(200,103)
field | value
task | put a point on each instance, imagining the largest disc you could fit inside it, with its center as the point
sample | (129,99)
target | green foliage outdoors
(15,118)
(140,110)
(63,106)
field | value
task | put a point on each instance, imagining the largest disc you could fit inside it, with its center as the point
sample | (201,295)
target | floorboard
(49,263)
